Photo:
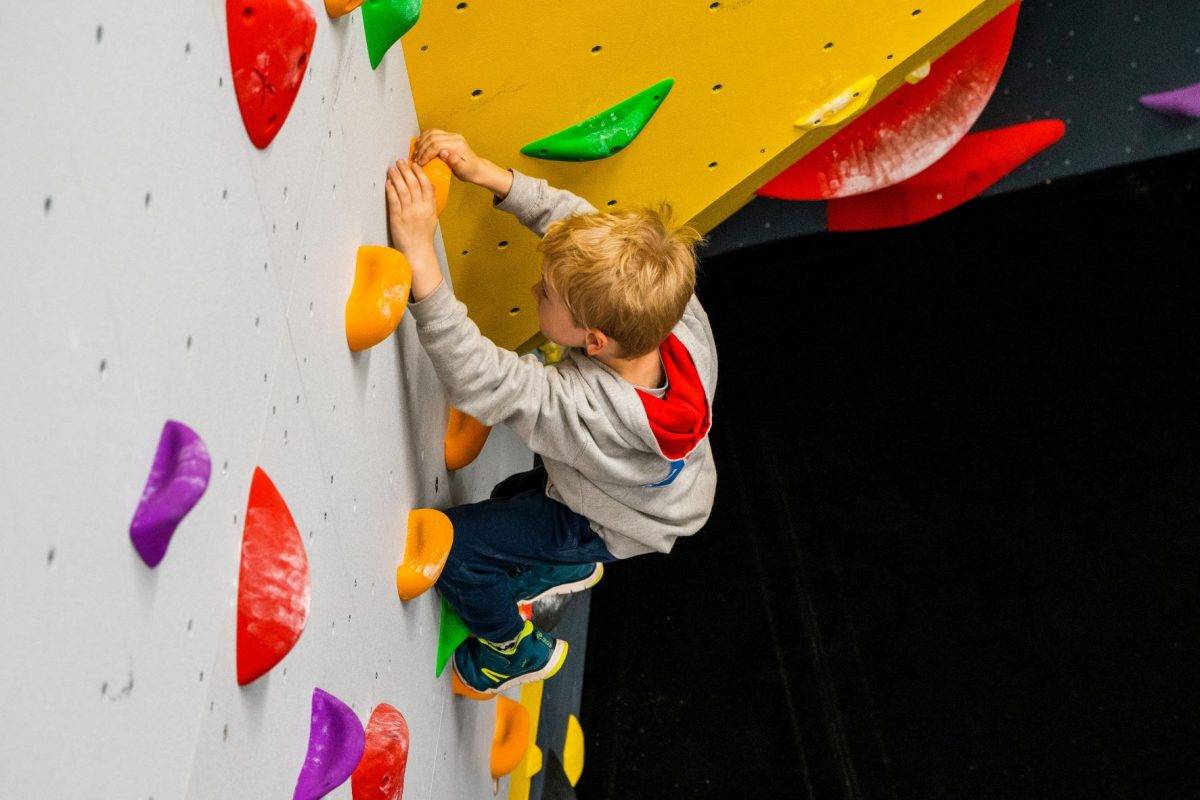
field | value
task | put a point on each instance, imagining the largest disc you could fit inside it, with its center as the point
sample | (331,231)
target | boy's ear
(595,341)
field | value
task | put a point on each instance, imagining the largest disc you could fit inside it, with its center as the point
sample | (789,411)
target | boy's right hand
(462,160)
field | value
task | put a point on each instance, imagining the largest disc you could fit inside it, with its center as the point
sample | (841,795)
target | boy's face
(554,319)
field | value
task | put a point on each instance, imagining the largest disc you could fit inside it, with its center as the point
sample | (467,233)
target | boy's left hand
(412,210)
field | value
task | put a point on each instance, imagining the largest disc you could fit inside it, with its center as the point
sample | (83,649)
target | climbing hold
(974,164)
(380,774)
(384,22)
(270,42)
(1184,102)
(338,8)
(458,687)
(430,535)
(909,129)
(439,175)
(511,737)
(335,745)
(533,761)
(552,351)
(272,605)
(379,297)
(465,438)
(452,632)
(919,74)
(178,478)
(841,107)
(572,752)
(548,612)
(525,610)
(605,134)
(555,785)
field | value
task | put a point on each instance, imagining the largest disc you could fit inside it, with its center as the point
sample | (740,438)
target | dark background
(953,552)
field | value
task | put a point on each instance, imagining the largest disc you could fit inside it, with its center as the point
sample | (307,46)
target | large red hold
(975,163)
(269,45)
(380,773)
(909,129)
(273,591)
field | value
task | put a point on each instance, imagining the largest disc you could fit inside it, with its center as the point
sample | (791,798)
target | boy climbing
(621,423)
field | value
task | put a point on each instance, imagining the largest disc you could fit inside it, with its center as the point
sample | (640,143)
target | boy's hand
(412,210)
(462,160)
(412,219)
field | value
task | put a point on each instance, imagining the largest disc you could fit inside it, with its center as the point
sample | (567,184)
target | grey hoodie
(589,425)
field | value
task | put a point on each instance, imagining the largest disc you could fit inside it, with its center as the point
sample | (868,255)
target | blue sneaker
(533,657)
(535,583)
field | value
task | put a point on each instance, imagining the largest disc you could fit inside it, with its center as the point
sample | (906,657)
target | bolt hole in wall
(514,311)
(476,92)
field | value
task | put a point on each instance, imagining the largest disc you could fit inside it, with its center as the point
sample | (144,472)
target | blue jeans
(519,527)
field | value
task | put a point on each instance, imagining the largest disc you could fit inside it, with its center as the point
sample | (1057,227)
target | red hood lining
(679,419)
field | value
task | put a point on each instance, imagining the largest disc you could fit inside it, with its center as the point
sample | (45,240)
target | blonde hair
(629,273)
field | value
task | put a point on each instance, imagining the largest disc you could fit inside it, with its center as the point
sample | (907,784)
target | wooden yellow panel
(746,71)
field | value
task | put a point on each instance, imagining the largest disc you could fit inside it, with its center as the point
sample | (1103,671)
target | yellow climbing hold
(379,297)
(572,751)
(430,536)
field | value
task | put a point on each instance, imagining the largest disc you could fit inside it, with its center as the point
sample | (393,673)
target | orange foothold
(339,8)
(379,297)
(465,438)
(430,535)
(439,175)
(462,690)
(511,739)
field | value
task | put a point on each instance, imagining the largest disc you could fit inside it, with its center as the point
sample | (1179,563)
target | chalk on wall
(380,773)
(270,42)
(178,477)
(273,583)
(606,133)
(335,746)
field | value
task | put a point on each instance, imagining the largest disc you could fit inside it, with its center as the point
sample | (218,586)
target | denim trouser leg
(518,527)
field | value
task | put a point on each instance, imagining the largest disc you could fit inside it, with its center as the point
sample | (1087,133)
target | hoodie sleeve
(494,385)
(537,204)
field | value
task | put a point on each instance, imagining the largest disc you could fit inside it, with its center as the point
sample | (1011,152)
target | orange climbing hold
(439,175)
(462,690)
(511,739)
(339,8)
(430,535)
(465,438)
(379,297)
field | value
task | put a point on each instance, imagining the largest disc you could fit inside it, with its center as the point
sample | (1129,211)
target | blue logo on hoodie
(676,468)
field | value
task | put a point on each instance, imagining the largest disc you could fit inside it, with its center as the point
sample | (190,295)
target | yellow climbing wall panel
(746,71)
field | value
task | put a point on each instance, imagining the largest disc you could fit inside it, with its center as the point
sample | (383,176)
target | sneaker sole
(557,659)
(570,588)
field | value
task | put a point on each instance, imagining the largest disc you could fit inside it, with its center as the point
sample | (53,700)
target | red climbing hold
(909,129)
(272,583)
(269,45)
(975,163)
(380,774)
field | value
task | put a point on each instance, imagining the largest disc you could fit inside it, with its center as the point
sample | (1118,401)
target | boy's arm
(537,204)
(494,385)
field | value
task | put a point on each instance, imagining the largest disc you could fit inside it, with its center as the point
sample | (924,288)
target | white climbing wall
(156,266)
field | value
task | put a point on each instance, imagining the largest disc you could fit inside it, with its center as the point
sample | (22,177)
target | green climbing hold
(605,134)
(384,22)
(451,633)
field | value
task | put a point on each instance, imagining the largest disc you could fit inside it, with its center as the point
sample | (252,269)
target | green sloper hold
(605,134)
(384,22)
(451,633)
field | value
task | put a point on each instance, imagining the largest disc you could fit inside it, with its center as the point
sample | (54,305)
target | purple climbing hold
(1184,102)
(335,746)
(178,478)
